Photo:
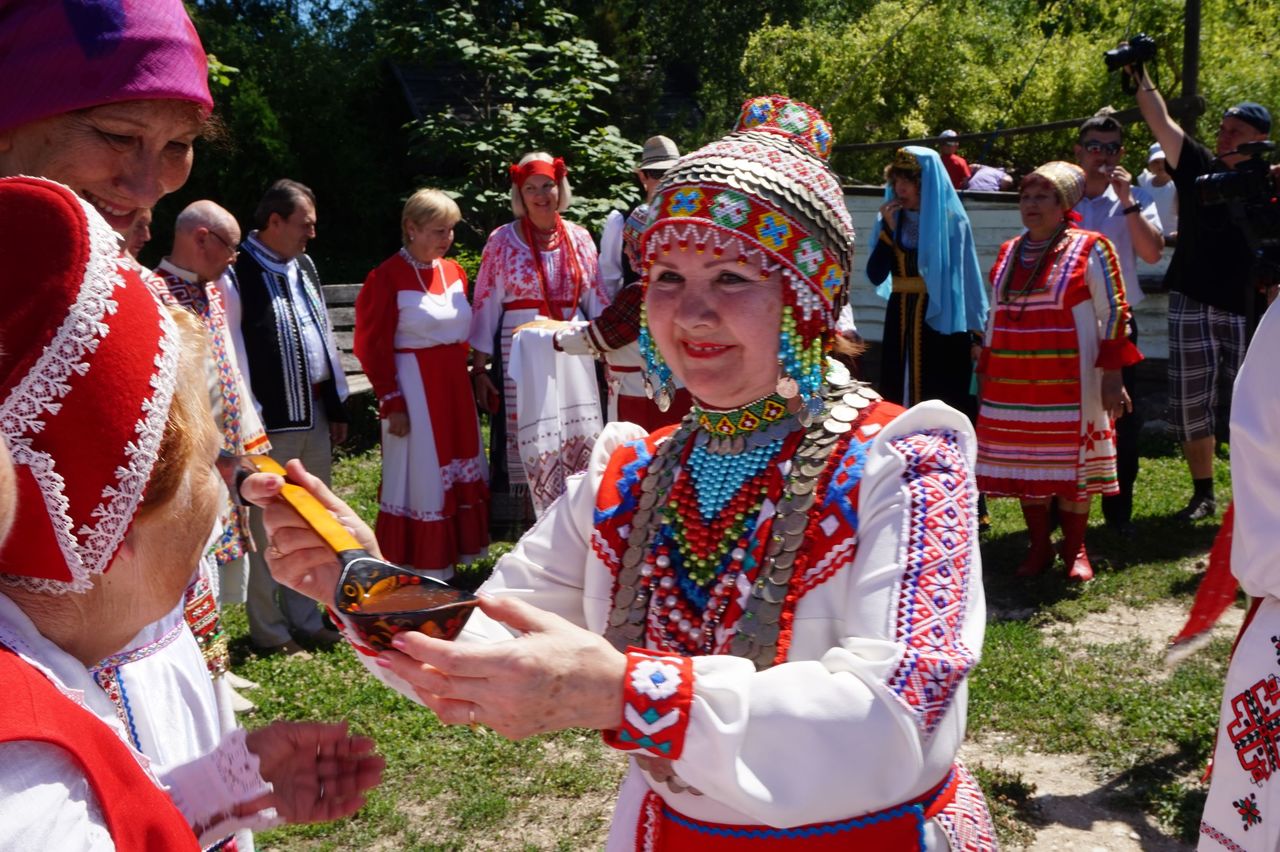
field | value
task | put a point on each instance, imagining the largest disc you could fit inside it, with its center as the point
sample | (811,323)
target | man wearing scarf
(296,377)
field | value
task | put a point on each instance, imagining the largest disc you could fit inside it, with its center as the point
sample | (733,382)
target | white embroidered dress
(1242,811)
(508,291)
(868,710)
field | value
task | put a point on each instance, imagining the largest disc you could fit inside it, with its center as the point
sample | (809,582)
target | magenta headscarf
(62,55)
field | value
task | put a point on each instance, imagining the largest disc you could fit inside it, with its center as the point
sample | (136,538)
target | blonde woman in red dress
(412,321)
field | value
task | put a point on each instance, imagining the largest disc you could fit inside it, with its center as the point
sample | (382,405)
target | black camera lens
(1141,48)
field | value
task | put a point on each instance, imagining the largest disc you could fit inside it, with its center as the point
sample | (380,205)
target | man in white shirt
(1126,215)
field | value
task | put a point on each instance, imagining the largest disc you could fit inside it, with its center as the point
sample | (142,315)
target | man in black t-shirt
(1209,285)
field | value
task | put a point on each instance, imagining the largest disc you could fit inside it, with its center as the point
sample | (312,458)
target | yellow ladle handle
(311,510)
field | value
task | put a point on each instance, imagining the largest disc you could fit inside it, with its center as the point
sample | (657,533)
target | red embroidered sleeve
(657,693)
(374,339)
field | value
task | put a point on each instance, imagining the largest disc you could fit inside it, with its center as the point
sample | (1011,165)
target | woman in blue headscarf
(924,262)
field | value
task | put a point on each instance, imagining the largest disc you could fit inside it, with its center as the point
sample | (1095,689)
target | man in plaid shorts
(1209,284)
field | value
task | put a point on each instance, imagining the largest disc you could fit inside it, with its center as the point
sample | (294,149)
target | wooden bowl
(380,600)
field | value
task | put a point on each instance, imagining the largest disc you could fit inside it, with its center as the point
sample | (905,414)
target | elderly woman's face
(122,158)
(541,197)
(429,239)
(1040,206)
(716,322)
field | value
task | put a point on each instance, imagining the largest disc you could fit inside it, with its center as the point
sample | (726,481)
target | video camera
(1252,201)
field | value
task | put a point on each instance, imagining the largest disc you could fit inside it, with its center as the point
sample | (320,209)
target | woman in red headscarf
(537,266)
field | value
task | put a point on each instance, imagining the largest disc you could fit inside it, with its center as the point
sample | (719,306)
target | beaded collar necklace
(731,423)
(682,573)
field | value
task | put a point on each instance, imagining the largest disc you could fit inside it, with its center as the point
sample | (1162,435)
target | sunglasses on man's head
(1093,146)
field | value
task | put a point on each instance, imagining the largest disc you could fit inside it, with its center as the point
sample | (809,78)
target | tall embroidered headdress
(768,187)
(88,364)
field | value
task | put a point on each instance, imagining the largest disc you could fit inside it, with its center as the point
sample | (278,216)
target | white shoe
(237,682)
(239,703)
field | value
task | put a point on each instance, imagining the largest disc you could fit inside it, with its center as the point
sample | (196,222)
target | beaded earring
(800,363)
(658,383)
(786,387)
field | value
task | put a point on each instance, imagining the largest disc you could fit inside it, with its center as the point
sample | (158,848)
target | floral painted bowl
(379,600)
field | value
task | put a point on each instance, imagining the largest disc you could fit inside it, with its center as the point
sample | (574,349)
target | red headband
(554,170)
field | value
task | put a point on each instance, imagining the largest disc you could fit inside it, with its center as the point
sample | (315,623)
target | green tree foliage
(301,93)
(518,83)
(889,69)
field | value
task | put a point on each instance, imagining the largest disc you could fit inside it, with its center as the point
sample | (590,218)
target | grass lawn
(1145,731)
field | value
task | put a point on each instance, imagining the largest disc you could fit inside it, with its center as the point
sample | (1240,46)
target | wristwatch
(1132,208)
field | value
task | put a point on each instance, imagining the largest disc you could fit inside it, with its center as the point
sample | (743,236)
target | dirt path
(1078,810)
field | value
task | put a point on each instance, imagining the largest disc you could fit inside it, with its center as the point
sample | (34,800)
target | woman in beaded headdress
(923,260)
(1051,386)
(774,605)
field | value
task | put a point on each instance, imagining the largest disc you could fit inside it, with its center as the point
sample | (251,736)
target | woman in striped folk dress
(1050,370)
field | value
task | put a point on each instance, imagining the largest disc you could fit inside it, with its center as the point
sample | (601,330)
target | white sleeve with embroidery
(46,803)
(872,700)
(490,292)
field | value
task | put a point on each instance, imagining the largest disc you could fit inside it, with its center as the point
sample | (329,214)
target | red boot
(1040,556)
(1072,550)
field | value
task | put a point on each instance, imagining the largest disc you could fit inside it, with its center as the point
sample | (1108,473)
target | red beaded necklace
(568,265)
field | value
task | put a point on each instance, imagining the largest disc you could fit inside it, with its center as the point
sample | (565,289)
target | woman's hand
(542,322)
(486,393)
(554,676)
(295,553)
(398,423)
(1115,399)
(889,211)
(317,771)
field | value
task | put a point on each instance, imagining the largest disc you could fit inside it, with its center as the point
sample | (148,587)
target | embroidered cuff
(392,403)
(657,693)
(1114,354)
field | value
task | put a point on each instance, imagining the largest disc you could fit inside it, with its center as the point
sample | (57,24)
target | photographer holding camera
(1209,277)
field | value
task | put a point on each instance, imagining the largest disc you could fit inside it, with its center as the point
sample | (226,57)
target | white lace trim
(37,396)
(212,785)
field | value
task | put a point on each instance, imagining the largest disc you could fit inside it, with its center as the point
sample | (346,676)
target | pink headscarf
(62,55)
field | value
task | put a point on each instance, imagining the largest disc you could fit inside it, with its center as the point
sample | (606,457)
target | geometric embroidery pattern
(1254,727)
(1248,810)
(657,692)
(937,554)
(1224,841)
(967,821)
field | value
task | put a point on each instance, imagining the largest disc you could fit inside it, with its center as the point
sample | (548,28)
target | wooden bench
(341,301)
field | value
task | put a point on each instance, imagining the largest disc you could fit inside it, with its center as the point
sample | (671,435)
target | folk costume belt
(908,284)
(532,305)
(900,828)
